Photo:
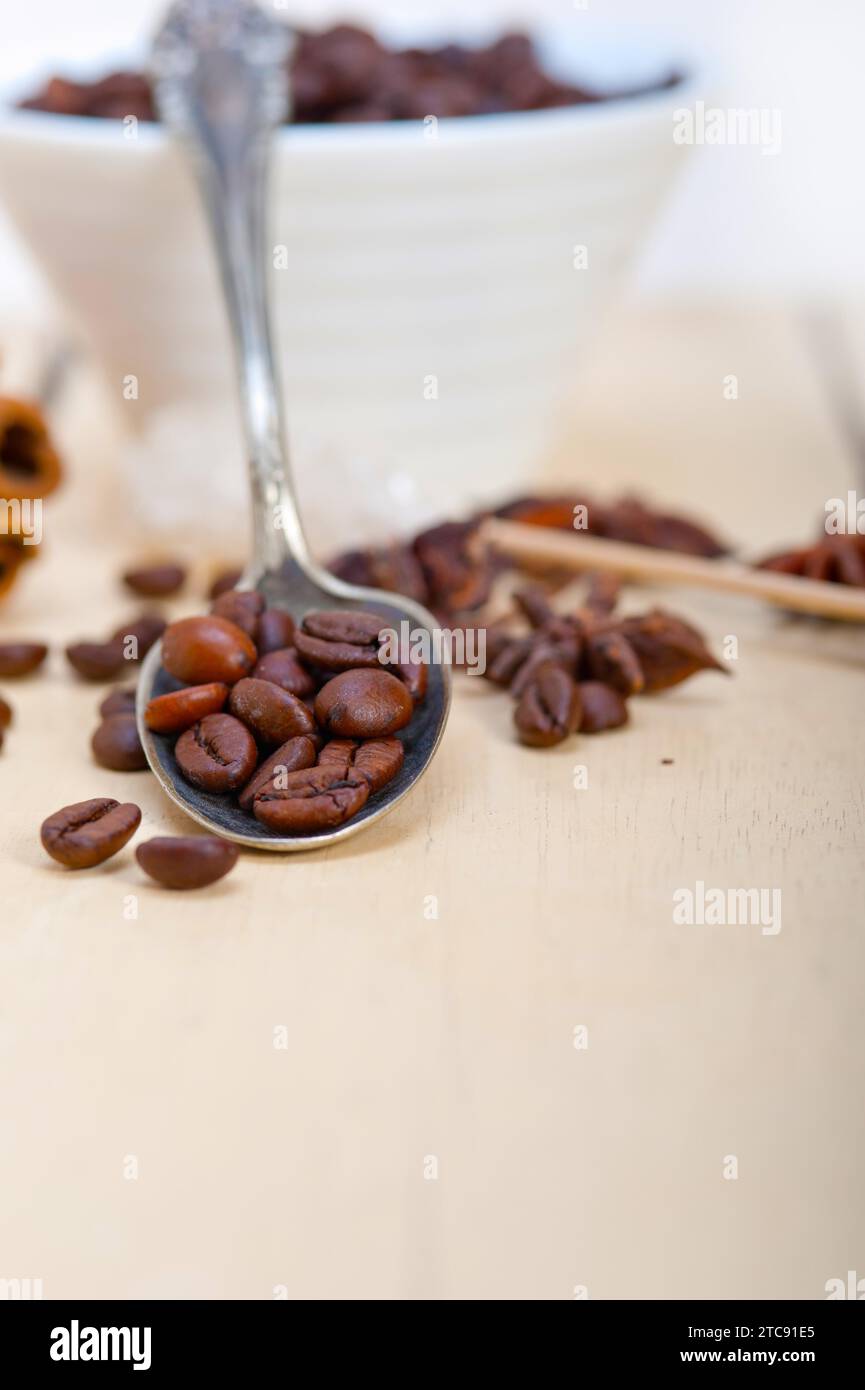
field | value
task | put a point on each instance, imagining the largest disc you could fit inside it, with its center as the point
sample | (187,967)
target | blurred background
(739,222)
(434,335)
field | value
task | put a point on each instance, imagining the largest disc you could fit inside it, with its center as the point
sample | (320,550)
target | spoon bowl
(219,72)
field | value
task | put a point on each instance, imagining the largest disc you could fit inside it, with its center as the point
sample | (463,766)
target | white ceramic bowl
(428,318)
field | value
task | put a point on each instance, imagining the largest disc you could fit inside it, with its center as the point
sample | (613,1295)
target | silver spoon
(219,71)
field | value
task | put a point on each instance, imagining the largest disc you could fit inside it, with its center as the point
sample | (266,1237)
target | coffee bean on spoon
(283,668)
(293,756)
(120,701)
(180,709)
(89,832)
(207,648)
(225,580)
(415,677)
(378,759)
(275,631)
(5,714)
(218,754)
(273,714)
(602,708)
(21,658)
(549,710)
(186,861)
(243,607)
(363,704)
(318,798)
(156,581)
(116,744)
(97,661)
(139,635)
(340,641)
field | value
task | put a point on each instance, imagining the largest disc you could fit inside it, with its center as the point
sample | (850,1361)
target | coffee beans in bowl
(297,737)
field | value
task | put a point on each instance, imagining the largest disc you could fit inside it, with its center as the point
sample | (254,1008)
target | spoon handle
(220,79)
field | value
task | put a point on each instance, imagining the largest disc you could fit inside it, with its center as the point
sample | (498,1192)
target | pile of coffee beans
(575,672)
(299,724)
(346,74)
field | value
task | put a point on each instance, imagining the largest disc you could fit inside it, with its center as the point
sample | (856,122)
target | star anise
(837,558)
(627,519)
(608,659)
(443,568)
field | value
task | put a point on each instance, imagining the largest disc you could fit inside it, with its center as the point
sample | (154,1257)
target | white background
(742,222)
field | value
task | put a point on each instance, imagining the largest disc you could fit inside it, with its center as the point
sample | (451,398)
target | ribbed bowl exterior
(429,291)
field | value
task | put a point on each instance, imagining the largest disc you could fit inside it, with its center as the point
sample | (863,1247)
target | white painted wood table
(429,1128)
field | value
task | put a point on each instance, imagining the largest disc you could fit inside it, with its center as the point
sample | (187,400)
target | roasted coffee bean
(378,760)
(89,832)
(120,701)
(275,631)
(319,798)
(218,754)
(243,607)
(340,640)
(549,709)
(21,658)
(180,709)
(283,668)
(208,648)
(156,581)
(293,756)
(5,713)
(139,635)
(414,676)
(225,580)
(186,861)
(363,704)
(97,661)
(272,713)
(116,744)
(603,708)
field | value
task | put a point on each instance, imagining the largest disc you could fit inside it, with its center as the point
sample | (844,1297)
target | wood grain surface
(329,1091)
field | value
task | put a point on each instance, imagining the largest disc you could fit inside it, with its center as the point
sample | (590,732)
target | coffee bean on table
(5,714)
(378,760)
(156,581)
(275,631)
(283,668)
(21,658)
(549,709)
(89,832)
(207,648)
(186,861)
(116,744)
(293,756)
(340,641)
(146,630)
(363,704)
(603,708)
(97,661)
(180,709)
(120,701)
(318,798)
(218,754)
(273,714)
(243,607)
